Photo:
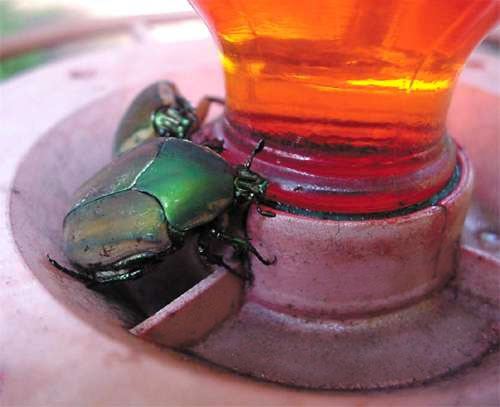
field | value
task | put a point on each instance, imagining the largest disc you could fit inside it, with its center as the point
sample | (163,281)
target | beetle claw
(264,261)
(242,245)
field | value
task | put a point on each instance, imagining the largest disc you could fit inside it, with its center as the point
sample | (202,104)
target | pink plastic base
(356,304)
(344,268)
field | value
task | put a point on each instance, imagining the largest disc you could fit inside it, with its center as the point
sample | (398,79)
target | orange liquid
(367,81)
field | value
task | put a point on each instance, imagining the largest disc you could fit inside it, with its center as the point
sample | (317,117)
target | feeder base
(357,303)
(418,344)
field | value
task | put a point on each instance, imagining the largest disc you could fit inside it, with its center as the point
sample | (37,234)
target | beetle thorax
(248,185)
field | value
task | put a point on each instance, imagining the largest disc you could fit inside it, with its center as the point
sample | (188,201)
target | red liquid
(351,95)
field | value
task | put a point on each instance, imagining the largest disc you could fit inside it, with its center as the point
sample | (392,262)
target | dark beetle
(140,207)
(159,110)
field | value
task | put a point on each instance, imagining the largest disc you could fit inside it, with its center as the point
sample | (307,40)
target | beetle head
(177,119)
(250,186)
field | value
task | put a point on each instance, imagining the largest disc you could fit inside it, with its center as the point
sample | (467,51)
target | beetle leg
(241,244)
(218,260)
(258,148)
(250,248)
(203,107)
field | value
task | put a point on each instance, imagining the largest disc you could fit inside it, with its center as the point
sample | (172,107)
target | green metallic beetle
(159,110)
(141,206)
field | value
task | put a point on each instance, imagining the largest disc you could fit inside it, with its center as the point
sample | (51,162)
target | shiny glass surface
(366,81)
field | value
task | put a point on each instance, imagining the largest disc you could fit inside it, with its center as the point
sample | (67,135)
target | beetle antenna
(258,148)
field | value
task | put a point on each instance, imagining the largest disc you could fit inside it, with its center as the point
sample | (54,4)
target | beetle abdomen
(113,228)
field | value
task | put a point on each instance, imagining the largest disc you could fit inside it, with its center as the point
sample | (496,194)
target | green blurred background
(14,20)
(18,16)
(21,16)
